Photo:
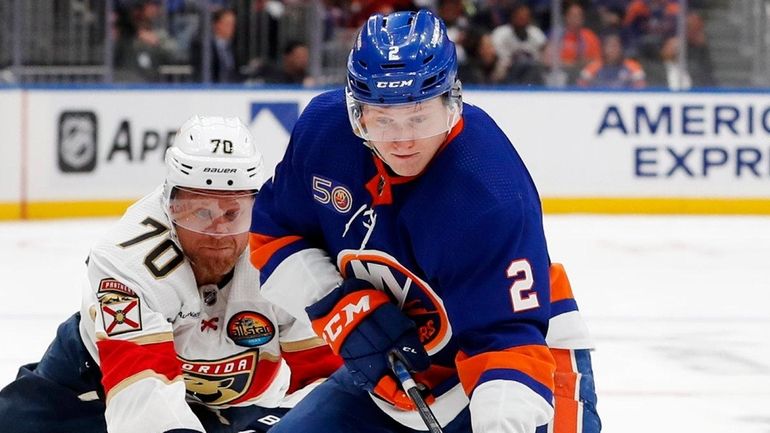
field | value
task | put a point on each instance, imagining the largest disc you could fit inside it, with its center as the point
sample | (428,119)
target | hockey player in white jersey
(173,334)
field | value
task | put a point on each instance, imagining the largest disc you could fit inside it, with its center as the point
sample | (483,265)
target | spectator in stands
(650,22)
(614,70)
(144,45)
(519,45)
(579,44)
(457,23)
(184,24)
(698,55)
(491,14)
(667,72)
(611,14)
(483,65)
(224,67)
(294,66)
(362,9)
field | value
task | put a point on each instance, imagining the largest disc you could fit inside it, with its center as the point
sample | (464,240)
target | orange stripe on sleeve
(566,406)
(560,286)
(533,360)
(263,247)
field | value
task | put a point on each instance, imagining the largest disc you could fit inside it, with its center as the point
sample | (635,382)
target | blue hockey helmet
(402,59)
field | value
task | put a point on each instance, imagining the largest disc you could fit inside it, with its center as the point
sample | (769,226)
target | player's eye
(232,215)
(383,121)
(203,214)
(417,120)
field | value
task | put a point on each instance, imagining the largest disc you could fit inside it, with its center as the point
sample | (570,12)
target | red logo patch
(113,285)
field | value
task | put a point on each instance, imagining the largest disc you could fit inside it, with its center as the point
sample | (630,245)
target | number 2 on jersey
(522,295)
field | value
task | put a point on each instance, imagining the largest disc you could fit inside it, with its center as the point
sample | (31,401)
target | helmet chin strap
(374,150)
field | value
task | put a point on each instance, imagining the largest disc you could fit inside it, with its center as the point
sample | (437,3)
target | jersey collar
(379,186)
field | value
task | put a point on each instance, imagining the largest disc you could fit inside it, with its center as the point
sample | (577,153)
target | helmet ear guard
(455,101)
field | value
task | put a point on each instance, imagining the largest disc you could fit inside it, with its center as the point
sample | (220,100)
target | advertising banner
(10,153)
(93,151)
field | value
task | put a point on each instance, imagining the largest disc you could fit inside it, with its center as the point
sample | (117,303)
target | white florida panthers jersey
(161,340)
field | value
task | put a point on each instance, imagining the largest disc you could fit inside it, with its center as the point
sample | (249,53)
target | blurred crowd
(600,43)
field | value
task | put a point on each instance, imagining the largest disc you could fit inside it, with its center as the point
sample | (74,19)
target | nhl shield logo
(77,141)
(250,329)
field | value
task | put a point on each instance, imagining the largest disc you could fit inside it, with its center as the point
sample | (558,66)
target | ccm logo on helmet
(394,84)
(219,170)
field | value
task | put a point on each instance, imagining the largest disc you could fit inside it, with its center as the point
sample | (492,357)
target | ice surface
(679,308)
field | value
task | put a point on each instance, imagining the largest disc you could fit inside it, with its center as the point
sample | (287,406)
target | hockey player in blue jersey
(402,222)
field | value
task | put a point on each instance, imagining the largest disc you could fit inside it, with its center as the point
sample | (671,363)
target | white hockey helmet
(213,172)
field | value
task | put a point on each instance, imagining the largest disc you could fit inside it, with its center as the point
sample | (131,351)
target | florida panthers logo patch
(120,307)
(219,381)
(250,329)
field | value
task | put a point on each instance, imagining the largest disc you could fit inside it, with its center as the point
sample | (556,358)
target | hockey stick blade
(410,387)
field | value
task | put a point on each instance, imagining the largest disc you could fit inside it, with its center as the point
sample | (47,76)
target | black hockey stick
(410,387)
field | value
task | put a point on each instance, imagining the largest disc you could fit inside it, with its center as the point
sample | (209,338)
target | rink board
(92,151)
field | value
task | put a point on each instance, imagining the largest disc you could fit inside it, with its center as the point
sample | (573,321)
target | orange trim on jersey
(560,286)
(263,247)
(566,405)
(121,360)
(533,360)
(456,130)
(416,280)
(390,390)
(336,325)
(565,415)
(309,365)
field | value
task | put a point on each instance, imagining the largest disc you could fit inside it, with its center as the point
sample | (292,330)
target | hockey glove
(361,324)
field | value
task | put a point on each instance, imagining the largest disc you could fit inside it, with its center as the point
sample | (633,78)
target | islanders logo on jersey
(332,194)
(120,307)
(417,298)
(250,329)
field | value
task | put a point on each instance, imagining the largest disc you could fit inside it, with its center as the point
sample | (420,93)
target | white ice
(679,308)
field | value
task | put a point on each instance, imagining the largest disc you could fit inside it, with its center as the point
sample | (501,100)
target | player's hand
(363,326)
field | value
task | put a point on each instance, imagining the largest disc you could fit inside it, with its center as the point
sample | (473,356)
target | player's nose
(402,144)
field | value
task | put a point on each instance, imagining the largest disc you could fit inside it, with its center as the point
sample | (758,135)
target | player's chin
(407,169)
(218,263)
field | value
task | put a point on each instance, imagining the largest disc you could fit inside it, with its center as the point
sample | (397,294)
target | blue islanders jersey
(460,248)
